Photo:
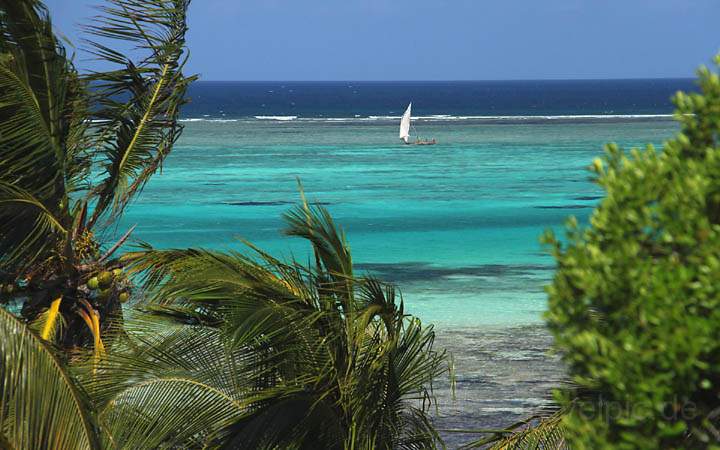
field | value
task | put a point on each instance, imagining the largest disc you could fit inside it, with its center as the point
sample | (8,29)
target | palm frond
(548,433)
(206,278)
(40,405)
(173,412)
(34,96)
(329,360)
(389,388)
(136,123)
(299,421)
(30,157)
(28,227)
(332,252)
(168,386)
(379,300)
(37,66)
(535,433)
(255,305)
(77,140)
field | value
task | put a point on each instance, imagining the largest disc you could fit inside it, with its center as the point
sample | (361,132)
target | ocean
(455,225)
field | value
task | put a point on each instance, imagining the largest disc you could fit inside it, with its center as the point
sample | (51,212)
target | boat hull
(419,143)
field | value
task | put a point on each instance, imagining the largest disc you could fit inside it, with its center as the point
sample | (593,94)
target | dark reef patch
(589,197)
(251,203)
(415,271)
(563,207)
(271,203)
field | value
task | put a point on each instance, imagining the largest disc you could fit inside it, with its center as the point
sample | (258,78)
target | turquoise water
(455,225)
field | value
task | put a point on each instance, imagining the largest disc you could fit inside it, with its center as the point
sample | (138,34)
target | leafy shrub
(635,303)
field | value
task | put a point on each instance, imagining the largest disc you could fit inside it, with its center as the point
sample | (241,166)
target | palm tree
(49,402)
(234,353)
(272,354)
(75,149)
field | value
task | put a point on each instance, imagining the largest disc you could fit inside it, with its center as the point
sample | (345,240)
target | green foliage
(36,92)
(233,353)
(138,104)
(167,386)
(237,352)
(41,405)
(542,433)
(56,130)
(635,303)
(291,356)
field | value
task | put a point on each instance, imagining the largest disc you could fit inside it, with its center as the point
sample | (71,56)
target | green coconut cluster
(635,303)
(105,283)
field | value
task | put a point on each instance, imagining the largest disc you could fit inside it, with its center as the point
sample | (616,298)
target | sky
(437,39)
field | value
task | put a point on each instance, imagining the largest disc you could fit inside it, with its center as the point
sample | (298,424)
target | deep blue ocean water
(362,99)
(455,225)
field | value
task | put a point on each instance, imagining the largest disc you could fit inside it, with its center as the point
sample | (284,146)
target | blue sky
(438,39)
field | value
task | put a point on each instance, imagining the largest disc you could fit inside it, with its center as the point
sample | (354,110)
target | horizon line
(451,80)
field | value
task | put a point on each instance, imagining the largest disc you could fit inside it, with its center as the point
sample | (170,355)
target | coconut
(105,279)
(93,283)
(124,297)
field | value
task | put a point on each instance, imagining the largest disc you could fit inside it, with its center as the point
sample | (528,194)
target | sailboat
(405,129)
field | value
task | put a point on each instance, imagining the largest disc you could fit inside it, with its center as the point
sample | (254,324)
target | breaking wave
(277,118)
(446,118)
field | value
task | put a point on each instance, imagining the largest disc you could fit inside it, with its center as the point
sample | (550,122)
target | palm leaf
(314,223)
(168,386)
(29,154)
(78,140)
(389,387)
(255,305)
(168,412)
(38,61)
(28,228)
(299,421)
(136,123)
(34,97)
(40,405)
(546,434)
(535,433)
(319,345)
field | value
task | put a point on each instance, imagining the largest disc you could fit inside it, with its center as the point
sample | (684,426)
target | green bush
(635,303)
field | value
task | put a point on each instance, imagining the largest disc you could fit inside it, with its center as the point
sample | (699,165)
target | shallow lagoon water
(455,225)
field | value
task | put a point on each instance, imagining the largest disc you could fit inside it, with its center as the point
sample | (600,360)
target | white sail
(405,124)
